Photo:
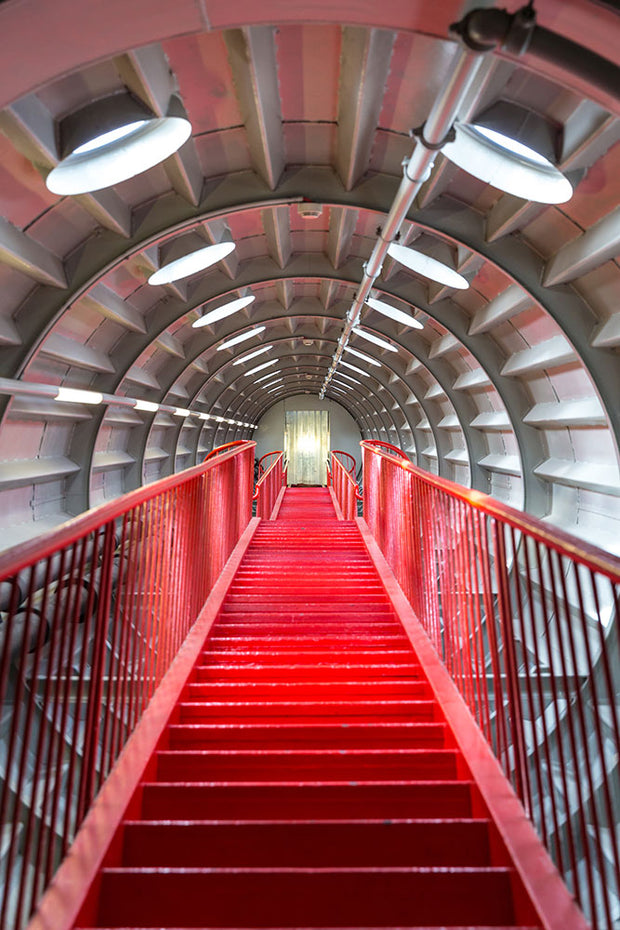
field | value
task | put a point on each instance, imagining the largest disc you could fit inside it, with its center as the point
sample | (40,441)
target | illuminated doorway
(306,444)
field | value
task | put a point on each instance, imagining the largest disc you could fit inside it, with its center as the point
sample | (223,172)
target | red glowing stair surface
(307,777)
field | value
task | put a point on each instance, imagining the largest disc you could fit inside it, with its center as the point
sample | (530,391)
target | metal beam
(277,227)
(252,56)
(342,226)
(113,307)
(19,251)
(593,248)
(365,65)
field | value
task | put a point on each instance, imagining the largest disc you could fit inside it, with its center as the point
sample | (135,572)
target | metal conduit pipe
(481,30)
(436,131)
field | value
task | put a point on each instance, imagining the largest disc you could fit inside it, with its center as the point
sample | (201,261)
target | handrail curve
(269,486)
(343,484)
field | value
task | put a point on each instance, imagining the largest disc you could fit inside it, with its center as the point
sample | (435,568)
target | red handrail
(261,468)
(269,486)
(92,615)
(351,465)
(344,485)
(380,445)
(219,450)
(524,617)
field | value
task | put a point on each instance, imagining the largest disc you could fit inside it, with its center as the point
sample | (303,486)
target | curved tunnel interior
(299,129)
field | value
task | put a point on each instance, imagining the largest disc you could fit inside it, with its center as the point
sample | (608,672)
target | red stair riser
(348,898)
(321,844)
(292,801)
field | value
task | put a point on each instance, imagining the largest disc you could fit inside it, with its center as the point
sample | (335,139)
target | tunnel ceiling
(301,119)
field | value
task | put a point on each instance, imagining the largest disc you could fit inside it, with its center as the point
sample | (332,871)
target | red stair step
(316,800)
(291,764)
(298,690)
(299,897)
(299,844)
(306,711)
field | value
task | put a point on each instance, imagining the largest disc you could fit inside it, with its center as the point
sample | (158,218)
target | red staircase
(307,777)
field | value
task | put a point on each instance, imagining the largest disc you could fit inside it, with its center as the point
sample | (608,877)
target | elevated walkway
(308,776)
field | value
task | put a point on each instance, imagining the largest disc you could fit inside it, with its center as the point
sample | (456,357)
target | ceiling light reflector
(246,358)
(222,312)
(507,165)
(354,368)
(399,316)
(426,266)
(372,338)
(266,377)
(192,263)
(253,371)
(366,358)
(241,338)
(118,154)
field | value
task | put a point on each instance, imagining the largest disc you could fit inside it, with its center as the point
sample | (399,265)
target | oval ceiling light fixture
(246,358)
(341,374)
(372,338)
(507,164)
(253,371)
(360,371)
(220,313)
(362,355)
(399,316)
(426,266)
(514,149)
(113,139)
(192,263)
(267,377)
(241,338)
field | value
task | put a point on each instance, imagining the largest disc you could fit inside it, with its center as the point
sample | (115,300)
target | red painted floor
(308,779)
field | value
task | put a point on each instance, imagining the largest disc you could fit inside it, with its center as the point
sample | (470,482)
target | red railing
(525,617)
(92,616)
(269,486)
(261,466)
(341,477)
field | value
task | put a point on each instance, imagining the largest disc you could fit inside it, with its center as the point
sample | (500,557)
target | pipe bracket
(418,133)
(484,30)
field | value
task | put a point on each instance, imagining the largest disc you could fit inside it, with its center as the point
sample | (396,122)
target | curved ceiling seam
(270,280)
(188,360)
(151,426)
(194,222)
(427,310)
(457,400)
(464,340)
(226,387)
